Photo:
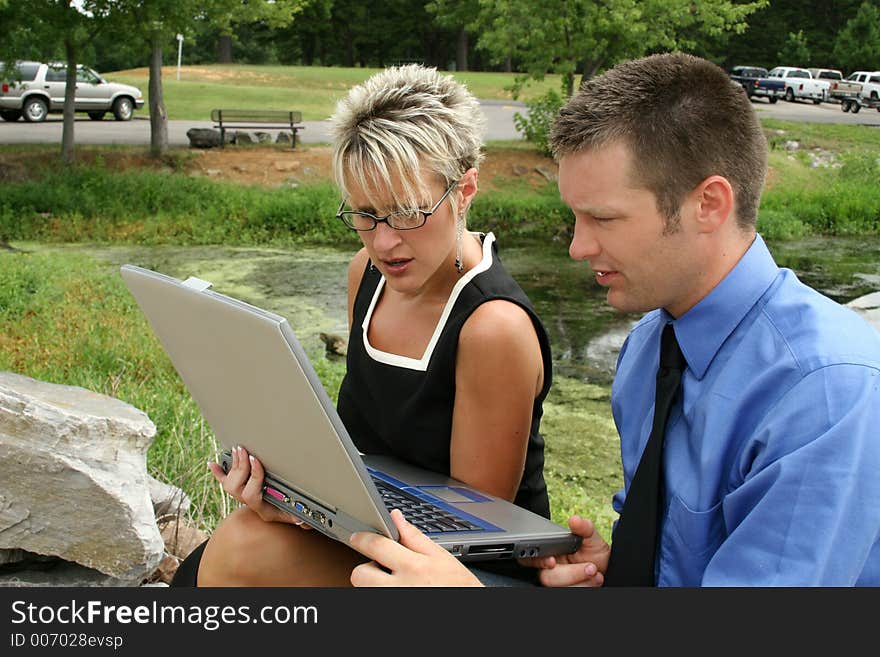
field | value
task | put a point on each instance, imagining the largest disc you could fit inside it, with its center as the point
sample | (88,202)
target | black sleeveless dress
(393,405)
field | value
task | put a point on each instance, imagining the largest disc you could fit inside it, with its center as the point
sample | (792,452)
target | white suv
(34,89)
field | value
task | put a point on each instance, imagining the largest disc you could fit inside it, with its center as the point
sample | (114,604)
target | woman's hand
(244,482)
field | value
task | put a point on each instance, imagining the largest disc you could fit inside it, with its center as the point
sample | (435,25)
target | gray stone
(58,572)
(263,137)
(547,172)
(283,138)
(242,137)
(203,137)
(74,482)
(167,499)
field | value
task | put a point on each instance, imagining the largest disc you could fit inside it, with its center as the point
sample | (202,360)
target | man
(771,449)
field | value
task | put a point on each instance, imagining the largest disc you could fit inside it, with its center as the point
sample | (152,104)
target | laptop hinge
(197,284)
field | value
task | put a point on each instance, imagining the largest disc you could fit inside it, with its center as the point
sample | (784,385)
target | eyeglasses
(400,220)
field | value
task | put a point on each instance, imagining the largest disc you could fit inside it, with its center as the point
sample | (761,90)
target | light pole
(179,53)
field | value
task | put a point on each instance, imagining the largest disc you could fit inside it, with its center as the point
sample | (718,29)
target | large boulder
(73,481)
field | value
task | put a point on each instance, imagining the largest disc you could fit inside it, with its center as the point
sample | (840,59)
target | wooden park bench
(233,119)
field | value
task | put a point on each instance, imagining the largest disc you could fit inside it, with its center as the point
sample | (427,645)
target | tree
(227,14)
(55,22)
(857,47)
(795,51)
(462,16)
(567,36)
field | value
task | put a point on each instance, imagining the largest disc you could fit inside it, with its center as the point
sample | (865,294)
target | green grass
(313,90)
(803,199)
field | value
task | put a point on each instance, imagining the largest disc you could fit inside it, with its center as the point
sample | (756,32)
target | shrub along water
(94,203)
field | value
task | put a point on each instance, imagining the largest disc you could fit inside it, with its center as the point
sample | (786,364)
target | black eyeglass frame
(342,214)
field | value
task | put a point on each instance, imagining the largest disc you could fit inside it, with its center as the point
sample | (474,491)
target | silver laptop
(255,387)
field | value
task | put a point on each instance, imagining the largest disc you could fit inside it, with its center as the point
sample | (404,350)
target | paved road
(499,115)
(821,113)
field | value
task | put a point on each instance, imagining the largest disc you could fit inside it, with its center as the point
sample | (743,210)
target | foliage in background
(571,36)
(535,126)
(795,50)
(857,47)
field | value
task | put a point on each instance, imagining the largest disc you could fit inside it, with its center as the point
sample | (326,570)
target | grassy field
(311,90)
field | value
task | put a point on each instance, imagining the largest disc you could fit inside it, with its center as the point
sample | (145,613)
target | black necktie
(635,537)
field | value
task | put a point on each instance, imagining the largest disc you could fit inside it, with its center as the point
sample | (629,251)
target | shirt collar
(703,329)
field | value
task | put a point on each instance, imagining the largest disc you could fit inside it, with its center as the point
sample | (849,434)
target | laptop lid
(255,386)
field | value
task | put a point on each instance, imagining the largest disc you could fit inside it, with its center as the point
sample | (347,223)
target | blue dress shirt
(772,455)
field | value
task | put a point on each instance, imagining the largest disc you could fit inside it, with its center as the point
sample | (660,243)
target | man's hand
(415,561)
(244,482)
(586,567)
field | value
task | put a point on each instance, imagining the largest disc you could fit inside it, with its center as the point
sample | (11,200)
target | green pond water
(307,286)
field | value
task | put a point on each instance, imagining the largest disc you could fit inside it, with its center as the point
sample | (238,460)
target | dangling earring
(459,230)
(372,267)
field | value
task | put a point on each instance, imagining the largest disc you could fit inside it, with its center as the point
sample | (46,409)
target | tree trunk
(591,67)
(158,116)
(67,155)
(508,64)
(461,55)
(224,49)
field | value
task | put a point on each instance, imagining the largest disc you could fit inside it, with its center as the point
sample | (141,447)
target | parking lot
(821,113)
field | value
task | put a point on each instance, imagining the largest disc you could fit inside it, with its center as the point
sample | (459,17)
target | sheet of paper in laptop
(255,387)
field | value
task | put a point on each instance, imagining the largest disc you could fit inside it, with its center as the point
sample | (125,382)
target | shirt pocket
(689,542)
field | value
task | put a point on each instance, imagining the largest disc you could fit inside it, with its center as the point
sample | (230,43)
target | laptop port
(320,517)
(275,494)
(302,508)
(493,549)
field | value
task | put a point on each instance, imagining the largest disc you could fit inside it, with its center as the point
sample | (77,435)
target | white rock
(73,483)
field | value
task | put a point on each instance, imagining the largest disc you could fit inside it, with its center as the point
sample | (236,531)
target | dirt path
(273,167)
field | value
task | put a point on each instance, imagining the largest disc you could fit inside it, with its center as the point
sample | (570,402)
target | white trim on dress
(421,364)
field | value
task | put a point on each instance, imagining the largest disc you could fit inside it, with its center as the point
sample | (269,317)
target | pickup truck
(868,84)
(870,81)
(34,89)
(840,90)
(799,84)
(755,82)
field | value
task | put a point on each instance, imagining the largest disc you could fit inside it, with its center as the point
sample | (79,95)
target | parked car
(755,82)
(799,83)
(35,89)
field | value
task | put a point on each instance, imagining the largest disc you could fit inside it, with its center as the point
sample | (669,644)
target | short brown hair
(683,120)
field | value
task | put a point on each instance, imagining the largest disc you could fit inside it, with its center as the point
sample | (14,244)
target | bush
(535,127)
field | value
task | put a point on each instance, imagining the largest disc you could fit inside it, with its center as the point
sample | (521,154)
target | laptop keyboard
(428,518)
